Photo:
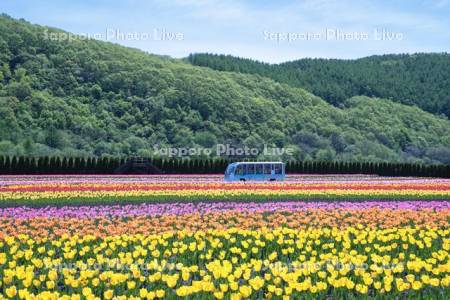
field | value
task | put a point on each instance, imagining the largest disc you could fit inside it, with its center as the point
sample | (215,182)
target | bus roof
(257,162)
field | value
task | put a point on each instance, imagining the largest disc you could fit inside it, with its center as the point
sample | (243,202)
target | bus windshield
(230,170)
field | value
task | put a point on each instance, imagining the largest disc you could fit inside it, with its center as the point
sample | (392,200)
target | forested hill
(418,79)
(84,97)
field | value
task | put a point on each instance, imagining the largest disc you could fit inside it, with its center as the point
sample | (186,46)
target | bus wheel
(272,179)
(242,179)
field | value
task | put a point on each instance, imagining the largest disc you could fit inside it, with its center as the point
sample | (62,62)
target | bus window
(259,169)
(250,169)
(278,168)
(267,169)
(239,170)
(245,169)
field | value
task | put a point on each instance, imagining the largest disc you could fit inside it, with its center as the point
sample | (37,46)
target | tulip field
(196,236)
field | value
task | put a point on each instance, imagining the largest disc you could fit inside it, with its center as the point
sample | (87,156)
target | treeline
(108,165)
(105,165)
(412,79)
(376,168)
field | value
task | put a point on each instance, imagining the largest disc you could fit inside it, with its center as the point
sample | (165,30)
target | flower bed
(197,237)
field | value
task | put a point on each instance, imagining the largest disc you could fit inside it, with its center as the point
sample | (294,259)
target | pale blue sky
(237,27)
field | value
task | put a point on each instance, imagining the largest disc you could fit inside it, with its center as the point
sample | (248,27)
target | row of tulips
(165,196)
(276,263)
(198,178)
(113,221)
(185,208)
(72,190)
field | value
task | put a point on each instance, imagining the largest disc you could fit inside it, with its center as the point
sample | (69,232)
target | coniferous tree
(46,164)
(59,165)
(76,163)
(32,165)
(14,164)
(8,165)
(64,165)
(2,164)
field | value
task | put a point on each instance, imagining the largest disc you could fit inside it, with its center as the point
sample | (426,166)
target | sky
(269,31)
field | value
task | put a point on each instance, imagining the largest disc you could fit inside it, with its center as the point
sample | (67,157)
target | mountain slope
(418,79)
(89,97)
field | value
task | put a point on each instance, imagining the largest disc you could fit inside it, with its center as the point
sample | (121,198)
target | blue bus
(242,171)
